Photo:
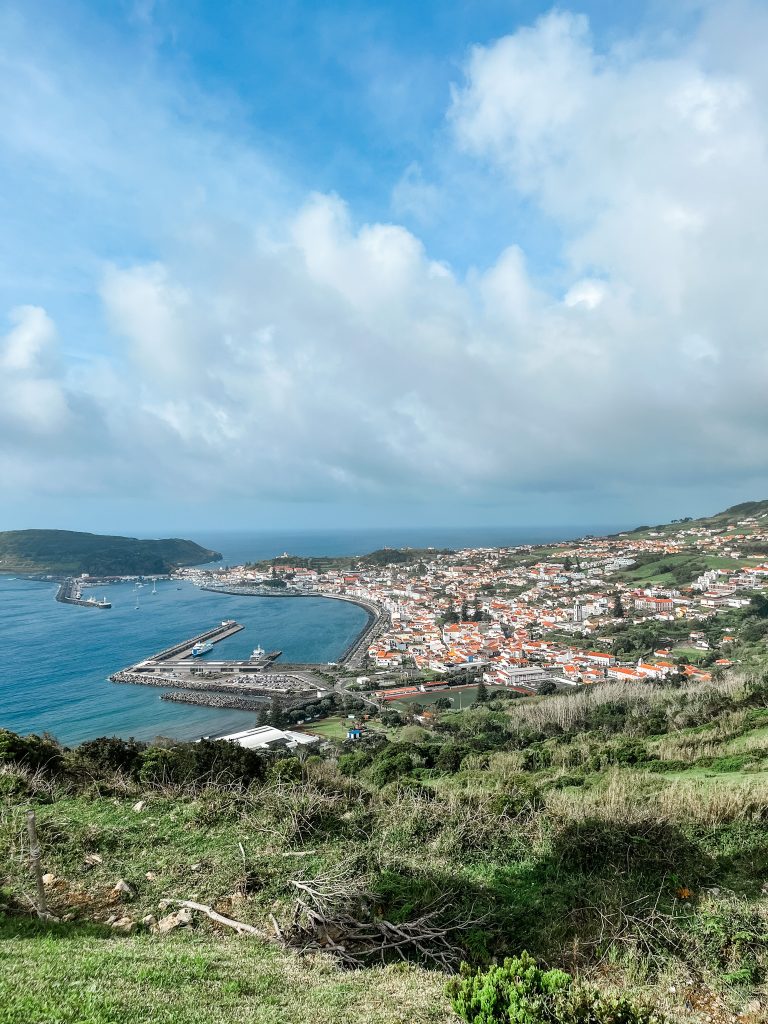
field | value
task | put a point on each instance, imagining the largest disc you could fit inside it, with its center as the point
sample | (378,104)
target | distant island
(66,552)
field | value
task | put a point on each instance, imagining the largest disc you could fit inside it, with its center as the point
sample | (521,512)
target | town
(533,619)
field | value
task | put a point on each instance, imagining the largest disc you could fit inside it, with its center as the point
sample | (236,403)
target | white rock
(181,919)
(49,879)
(139,806)
(124,888)
(124,924)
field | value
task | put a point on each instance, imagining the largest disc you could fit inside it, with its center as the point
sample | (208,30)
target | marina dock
(183,650)
(69,593)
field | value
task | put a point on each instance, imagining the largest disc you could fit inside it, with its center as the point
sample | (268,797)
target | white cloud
(285,351)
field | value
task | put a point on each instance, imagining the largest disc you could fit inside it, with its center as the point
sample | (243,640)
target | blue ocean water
(55,658)
(239,547)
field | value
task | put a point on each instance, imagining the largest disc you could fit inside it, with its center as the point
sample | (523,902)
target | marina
(64,690)
(70,592)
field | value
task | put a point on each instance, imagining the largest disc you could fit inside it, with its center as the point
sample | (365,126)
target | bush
(34,752)
(521,992)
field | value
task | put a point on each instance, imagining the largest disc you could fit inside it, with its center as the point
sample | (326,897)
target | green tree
(482,693)
(618,607)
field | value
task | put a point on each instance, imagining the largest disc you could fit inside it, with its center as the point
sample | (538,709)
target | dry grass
(634,797)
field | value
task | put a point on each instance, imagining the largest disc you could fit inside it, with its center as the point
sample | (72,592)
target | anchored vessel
(202,648)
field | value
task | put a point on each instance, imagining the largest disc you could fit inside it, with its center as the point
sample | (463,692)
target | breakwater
(69,593)
(211,700)
(267,685)
(181,650)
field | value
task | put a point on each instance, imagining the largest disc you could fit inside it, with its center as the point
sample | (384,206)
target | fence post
(37,871)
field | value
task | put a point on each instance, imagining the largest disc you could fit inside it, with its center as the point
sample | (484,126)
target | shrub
(520,992)
(34,752)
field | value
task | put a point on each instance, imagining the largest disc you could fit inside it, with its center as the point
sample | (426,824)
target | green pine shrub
(520,992)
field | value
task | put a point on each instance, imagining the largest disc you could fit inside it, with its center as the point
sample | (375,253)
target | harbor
(204,681)
(69,592)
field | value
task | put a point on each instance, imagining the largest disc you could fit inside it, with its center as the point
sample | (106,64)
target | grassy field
(334,728)
(461,697)
(618,832)
(75,974)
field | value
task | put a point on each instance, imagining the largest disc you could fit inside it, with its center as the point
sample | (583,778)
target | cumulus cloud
(32,399)
(311,354)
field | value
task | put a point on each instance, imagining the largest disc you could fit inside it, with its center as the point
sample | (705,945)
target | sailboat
(154,586)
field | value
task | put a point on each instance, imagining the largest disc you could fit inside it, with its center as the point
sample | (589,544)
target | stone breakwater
(267,685)
(214,700)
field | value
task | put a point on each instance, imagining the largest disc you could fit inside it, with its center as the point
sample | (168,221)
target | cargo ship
(202,648)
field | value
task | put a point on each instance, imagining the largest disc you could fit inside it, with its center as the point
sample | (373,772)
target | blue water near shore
(55,658)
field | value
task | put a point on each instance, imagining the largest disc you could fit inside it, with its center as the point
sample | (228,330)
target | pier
(184,649)
(69,593)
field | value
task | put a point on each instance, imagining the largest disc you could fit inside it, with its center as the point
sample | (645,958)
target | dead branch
(239,926)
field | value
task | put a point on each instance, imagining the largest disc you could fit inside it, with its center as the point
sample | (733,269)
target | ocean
(55,659)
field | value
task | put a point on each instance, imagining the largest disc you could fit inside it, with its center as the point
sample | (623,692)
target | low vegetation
(65,552)
(618,835)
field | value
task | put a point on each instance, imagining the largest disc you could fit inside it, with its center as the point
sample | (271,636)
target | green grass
(693,654)
(334,728)
(83,975)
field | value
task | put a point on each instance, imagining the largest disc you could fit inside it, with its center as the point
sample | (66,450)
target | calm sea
(55,658)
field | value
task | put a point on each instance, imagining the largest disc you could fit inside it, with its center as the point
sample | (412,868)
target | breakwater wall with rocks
(266,686)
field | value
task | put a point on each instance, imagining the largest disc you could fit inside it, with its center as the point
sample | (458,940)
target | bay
(55,659)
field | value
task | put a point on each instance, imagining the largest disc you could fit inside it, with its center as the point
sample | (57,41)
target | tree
(464,611)
(482,693)
(442,704)
(545,688)
(618,607)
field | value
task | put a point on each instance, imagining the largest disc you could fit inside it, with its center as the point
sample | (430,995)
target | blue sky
(353,263)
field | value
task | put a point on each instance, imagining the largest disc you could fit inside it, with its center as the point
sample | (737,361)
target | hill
(743,519)
(65,552)
(618,832)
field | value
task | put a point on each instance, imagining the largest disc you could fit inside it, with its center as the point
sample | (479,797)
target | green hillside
(726,521)
(618,833)
(65,552)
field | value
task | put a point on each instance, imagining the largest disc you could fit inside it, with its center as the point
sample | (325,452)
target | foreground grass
(74,974)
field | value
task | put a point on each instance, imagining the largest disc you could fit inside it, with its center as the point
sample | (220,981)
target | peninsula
(67,553)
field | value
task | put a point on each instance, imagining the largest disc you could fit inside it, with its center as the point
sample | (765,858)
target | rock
(164,904)
(111,919)
(181,919)
(124,889)
(49,879)
(150,921)
(139,806)
(124,925)
(195,867)
(151,876)
(92,859)
(753,1006)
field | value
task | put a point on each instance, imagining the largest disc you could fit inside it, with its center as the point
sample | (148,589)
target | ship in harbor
(202,648)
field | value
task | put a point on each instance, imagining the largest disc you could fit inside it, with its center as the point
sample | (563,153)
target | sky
(347,264)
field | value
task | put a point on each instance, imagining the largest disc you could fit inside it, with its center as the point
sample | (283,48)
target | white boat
(257,653)
(202,648)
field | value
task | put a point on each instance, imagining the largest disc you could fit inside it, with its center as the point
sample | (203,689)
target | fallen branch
(239,926)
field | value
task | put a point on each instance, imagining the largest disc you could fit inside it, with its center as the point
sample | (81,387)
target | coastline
(378,618)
